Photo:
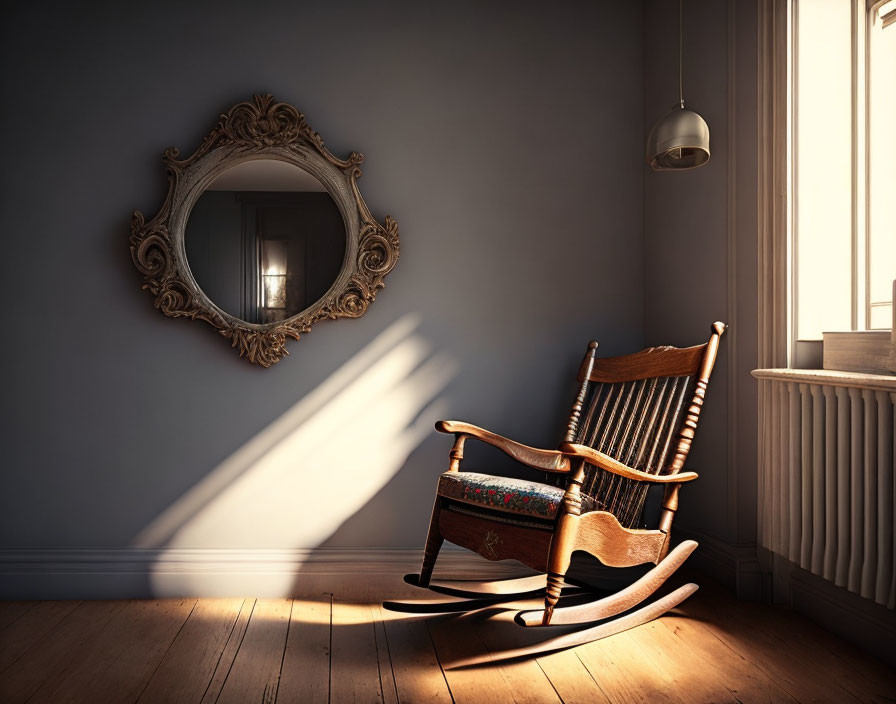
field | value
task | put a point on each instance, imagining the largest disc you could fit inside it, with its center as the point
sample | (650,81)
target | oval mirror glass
(265,241)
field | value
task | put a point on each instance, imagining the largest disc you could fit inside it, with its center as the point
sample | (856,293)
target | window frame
(807,353)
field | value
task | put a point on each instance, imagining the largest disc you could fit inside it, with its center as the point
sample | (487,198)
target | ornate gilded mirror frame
(261,129)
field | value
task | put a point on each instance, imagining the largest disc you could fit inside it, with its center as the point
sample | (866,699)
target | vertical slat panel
(617,425)
(844,431)
(654,401)
(609,419)
(826,485)
(635,422)
(636,452)
(585,424)
(764,462)
(654,457)
(628,440)
(780,469)
(891,602)
(609,400)
(818,480)
(673,425)
(607,396)
(830,483)
(804,517)
(869,504)
(885,460)
(856,489)
(793,485)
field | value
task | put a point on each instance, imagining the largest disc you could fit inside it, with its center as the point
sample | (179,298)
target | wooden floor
(335,649)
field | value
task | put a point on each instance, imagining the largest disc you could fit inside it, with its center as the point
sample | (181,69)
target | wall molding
(735,566)
(129,573)
(144,573)
(774,323)
(773,330)
(731,270)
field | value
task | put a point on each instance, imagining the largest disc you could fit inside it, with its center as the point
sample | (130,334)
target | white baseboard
(136,573)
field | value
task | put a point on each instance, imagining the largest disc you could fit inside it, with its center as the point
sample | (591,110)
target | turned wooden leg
(434,542)
(558,563)
(551,596)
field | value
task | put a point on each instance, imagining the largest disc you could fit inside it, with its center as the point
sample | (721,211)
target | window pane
(881,316)
(881,169)
(823,208)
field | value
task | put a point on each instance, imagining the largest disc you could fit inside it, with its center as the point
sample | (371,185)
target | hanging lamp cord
(680,54)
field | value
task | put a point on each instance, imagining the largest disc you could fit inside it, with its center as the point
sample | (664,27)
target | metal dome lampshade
(680,140)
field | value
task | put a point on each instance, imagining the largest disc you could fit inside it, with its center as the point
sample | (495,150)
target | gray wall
(507,141)
(700,244)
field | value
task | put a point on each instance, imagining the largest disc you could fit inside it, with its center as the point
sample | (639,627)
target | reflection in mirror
(265,241)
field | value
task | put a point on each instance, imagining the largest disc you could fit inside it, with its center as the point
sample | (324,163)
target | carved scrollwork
(259,128)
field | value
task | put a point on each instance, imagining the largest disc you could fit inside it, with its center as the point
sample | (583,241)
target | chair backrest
(642,410)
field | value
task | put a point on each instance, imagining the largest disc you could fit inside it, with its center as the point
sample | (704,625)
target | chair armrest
(599,459)
(545,460)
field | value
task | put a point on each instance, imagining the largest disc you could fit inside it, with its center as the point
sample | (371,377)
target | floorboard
(342,646)
(829,657)
(571,679)
(189,665)
(525,679)
(455,638)
(698,644)
(53,655)
(354,665)
(417,674)
(384,656)
(305,676)
(228,655)
(255,673)
(11,611)
(624,676)
(116,665)
(659,647)
(31,626)
(795,671)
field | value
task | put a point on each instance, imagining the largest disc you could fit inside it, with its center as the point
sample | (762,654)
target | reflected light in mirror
(265,241)
(273,263)
(292,485)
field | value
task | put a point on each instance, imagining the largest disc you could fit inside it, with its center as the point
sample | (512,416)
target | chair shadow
(501,639)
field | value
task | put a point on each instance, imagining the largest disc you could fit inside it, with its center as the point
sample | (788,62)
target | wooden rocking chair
(631,427)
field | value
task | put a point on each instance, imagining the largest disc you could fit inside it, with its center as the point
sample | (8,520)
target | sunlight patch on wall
(298,480)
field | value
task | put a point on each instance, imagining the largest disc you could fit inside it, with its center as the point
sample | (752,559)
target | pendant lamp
(680,140)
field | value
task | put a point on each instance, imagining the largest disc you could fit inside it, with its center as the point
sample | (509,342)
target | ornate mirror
(263,233)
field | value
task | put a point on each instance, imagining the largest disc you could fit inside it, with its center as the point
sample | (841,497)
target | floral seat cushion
(502,493)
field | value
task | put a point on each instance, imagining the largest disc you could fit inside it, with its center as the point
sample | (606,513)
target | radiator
(826,487)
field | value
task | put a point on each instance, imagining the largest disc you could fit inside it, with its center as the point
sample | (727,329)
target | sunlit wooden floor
(330,648)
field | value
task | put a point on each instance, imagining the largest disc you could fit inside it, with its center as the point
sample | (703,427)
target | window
(881,150)
(842,128)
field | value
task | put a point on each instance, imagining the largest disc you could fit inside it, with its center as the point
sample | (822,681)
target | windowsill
(830,377)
